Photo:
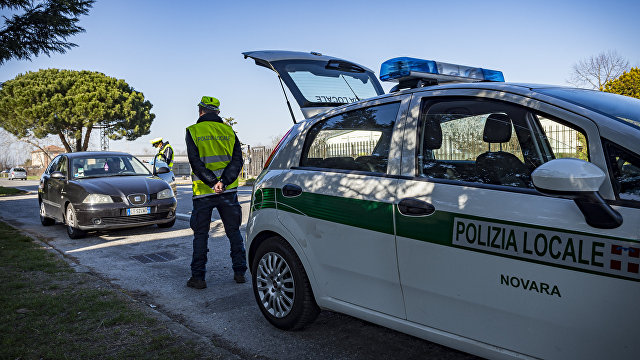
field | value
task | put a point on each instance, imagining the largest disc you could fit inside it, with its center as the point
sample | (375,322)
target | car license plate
(138,211)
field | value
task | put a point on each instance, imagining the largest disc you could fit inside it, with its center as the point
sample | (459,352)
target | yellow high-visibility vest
(215,142)
(161,152)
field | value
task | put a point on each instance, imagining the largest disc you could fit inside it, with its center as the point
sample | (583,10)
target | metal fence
(353,149)
(254,159)
(467,145)
(566,142)
(461,145)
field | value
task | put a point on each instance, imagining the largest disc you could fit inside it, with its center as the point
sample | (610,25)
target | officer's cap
(210,103)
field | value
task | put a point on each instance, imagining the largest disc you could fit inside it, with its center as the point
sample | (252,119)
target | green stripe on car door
(365,214)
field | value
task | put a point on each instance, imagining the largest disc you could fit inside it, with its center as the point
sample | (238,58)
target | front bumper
(114,215)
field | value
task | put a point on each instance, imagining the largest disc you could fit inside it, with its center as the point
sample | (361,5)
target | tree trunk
(87,135)
(64,141)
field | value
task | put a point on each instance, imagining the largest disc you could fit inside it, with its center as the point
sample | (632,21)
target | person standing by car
(215,156)
(165,151)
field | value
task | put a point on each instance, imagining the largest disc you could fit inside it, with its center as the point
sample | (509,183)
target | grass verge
(50,311)
(4,191)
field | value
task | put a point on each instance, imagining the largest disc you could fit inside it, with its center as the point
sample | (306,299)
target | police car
(499,219)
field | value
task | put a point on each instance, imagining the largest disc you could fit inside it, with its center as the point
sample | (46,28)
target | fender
(262,223)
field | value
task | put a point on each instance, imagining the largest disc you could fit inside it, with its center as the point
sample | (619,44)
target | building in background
(40,160)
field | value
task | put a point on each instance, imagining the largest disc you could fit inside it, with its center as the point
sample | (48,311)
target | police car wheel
(44,220)
(70,222)
(281,286)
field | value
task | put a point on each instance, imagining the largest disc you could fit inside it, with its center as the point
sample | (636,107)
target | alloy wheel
(275,284)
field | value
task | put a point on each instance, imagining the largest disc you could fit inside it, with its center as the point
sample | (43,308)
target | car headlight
(97,199)
(165,194)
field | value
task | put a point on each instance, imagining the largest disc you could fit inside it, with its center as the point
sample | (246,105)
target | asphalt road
(224,312)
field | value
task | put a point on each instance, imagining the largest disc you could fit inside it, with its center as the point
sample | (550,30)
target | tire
(281,286)
(70,222)
(168,224)
(44,220)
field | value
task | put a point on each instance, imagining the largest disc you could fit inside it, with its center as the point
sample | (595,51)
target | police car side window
(490,142)
(625,169)
(356,140)
(559,140)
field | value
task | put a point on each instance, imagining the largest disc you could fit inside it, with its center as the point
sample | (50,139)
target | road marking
(184,217)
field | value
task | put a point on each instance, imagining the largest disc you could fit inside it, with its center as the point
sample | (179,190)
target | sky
(174,52)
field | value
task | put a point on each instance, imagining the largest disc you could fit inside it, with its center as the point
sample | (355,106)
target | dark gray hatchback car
(104,190)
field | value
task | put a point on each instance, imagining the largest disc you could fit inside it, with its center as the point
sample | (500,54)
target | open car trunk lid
(319,82)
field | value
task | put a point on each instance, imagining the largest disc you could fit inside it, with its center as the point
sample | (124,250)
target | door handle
(415,207)
(291,190)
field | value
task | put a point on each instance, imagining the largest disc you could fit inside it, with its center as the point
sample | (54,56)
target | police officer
(216,160)
(165,151)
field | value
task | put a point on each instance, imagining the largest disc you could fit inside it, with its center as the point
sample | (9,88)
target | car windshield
(622,108)
(19,169)
(107,165)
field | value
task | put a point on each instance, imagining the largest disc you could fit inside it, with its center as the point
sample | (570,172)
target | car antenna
(286,98)
(354,93)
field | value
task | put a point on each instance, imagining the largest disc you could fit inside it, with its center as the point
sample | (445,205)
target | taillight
(275,149)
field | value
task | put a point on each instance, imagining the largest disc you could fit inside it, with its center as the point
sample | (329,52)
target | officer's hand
(218,187)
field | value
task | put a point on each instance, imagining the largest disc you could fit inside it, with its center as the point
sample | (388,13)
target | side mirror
(57,175)
(162,170)
(579,181)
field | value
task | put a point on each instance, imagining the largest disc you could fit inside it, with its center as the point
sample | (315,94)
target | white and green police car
(499,219)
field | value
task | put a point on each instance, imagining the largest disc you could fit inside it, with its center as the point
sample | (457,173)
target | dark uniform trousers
(231,215)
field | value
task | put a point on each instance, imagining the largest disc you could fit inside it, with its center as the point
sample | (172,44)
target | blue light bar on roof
(404,68)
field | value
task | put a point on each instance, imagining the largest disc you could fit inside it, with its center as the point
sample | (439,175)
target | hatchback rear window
(321,83)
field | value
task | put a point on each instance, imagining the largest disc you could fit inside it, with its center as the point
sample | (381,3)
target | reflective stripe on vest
(161,152)
(215,142)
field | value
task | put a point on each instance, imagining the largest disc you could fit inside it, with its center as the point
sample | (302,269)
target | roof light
(406,68)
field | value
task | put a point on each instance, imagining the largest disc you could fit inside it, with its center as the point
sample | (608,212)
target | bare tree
(14,151)
(595,71)
(5,155)
(275,139)
(17,150)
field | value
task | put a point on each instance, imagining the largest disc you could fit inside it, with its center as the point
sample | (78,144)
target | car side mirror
(162,170)
(57,175)
(579,181)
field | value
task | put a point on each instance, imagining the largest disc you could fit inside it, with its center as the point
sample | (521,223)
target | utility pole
(104,137)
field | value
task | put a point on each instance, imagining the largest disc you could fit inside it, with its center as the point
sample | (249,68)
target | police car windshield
(321,83)
(622,108)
